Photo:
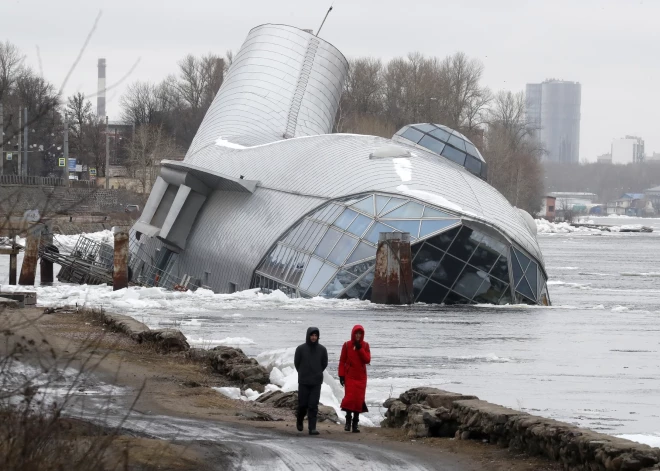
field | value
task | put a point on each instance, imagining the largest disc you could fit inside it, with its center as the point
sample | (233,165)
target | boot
(299,419)
(347,427)
(356,419)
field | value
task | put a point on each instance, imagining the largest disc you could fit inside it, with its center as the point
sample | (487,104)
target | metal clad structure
(262,164)
(284,82)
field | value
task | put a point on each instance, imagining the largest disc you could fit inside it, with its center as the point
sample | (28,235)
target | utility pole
(19,170)
(25,142)
(107,155)
(2,140)
(66,152)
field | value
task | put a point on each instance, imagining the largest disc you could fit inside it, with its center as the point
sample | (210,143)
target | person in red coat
(355,356)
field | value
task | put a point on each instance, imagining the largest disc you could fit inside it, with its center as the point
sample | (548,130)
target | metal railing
(43,181)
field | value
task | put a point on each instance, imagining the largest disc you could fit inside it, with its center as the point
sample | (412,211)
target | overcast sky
(612,47)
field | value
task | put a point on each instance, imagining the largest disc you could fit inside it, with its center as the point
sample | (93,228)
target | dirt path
(172,399)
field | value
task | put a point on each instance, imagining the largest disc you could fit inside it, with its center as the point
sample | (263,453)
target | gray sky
(612,47)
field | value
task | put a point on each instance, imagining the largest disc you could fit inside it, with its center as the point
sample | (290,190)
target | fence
(43,181)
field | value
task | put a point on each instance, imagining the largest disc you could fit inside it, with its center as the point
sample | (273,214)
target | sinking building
(266,197)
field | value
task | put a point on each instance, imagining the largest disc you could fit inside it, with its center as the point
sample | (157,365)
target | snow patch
(403,168)
(650,440)
(225,143)
(433,198)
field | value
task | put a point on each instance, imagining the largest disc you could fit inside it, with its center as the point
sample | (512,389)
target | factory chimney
(100,97)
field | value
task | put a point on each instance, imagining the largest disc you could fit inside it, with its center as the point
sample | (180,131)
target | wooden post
(393,273)
(120,267)
(30,255)
(46,266)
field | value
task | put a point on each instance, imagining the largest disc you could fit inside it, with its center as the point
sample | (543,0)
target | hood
(310,331)
(357,328)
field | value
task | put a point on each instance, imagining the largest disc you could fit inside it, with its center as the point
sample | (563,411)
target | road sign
(72,165)
(9,156)
(61,162)
(92,171)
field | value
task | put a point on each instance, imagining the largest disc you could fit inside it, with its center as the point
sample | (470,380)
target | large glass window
(331,253)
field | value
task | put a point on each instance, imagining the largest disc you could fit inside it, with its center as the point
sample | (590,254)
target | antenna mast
(323,22)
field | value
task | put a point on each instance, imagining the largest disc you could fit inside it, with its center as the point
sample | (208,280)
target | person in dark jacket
(353,361)
(310,360)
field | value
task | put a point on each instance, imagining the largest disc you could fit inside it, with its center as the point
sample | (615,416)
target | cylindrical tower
(284,82)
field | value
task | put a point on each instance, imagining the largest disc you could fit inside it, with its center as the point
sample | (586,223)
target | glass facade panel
(532,278)
(501,268)
(376,229)
(296,271)
(419,281)
(491,291)
(313,267)
(408,211)
(448,270)
(426,260)
(413,135)
(441,134)
(456,142)
(391,204)
(362,288)
(444,239)
(433,293)
(432,144)
(517,271)
(455,298)
(471,149)
(361,252)
(464,244)
(414,248)
(324,275)
(485,257)
(430,212)
(522,258)
(293,235)
(425,127)
(345,219)
(473,164)
(381,201)
(366,205)
(523,288)
(359,225)
(313,237)
(361,267)
(454,155)
(470,283)
(344,246)
(327,243)
(339,284)
(404,225)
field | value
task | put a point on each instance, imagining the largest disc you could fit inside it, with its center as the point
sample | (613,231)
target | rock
(201,355)
(446,399)
(287,400)
(235,364)
(6,303)
(418,395)
(269,397)
(191,384)
(166,340)
(127,325)
(396,415)
(327,413)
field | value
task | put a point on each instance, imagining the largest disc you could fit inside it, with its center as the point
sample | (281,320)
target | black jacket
(311,360)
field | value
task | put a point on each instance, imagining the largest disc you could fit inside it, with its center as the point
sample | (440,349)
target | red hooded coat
(353,367)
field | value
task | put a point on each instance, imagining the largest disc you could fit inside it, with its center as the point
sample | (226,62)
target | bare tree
(149,145)
(11,62)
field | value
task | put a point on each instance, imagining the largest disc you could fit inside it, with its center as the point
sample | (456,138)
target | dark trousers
(308,402)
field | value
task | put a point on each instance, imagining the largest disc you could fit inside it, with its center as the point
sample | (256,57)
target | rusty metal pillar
(30,255)
(393,273)
(46,266)
(120,268)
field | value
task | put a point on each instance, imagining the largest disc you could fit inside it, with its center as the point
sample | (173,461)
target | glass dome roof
(446,142)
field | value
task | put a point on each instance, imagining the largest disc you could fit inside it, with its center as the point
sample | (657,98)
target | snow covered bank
(546,227)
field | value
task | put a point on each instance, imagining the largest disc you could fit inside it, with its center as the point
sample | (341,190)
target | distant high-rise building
(100,96)
(553,107)
(604,159)
(628,150)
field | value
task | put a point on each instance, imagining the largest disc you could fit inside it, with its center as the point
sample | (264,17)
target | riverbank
(172,387)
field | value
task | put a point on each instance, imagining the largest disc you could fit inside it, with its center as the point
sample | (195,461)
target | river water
(592,359)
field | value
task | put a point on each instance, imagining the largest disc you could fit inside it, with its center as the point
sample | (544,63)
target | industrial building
(266,198)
